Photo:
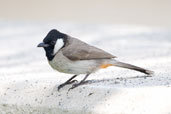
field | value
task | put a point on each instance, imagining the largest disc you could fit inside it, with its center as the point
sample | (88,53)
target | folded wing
(78,50)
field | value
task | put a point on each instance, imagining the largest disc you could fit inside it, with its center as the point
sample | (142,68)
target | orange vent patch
(105,65)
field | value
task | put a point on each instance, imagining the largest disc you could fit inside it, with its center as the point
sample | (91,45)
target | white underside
(63,64)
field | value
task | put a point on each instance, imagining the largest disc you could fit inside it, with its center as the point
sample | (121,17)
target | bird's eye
(53,42)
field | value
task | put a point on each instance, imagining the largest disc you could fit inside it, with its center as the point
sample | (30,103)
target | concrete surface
(29,86)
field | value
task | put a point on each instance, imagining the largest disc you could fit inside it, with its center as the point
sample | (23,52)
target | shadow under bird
(70,55)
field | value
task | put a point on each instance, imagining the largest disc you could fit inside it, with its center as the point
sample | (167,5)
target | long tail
(132,67)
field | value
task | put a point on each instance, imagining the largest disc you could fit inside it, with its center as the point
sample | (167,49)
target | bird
(70,55)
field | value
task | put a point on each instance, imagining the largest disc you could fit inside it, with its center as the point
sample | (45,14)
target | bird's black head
(53,42)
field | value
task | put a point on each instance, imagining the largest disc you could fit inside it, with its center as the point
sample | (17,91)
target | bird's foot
(77,84)
(66,83)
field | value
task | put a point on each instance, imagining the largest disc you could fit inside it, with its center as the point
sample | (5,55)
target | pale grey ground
(23,66)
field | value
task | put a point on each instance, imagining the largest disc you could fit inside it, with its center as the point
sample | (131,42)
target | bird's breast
(65,65)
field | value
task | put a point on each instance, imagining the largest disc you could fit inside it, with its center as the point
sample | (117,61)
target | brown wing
(78,50)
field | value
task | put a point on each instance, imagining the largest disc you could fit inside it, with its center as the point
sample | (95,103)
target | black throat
(49,52)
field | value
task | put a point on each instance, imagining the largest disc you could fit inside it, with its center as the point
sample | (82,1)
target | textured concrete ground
(28,84)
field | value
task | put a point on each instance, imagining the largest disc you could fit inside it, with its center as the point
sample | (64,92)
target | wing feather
(78,50)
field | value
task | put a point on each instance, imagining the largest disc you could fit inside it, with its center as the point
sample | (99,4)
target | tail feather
(132,67)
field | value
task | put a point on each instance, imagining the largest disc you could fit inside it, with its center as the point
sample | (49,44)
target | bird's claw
(77,84)
(64,84)
(73,81)
(74,86)
(60,86)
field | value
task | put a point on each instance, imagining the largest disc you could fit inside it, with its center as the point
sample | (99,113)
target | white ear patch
(58,46)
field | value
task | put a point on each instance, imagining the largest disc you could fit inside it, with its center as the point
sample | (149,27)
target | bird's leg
(81,82)
(69,81)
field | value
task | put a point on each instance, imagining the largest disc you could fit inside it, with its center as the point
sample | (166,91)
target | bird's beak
(42,45)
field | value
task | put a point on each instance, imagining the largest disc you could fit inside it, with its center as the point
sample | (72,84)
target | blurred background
(156,13)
